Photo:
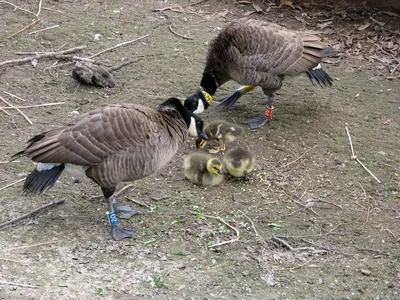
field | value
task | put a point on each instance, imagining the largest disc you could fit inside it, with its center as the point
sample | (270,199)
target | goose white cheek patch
(200,107)
(192,131)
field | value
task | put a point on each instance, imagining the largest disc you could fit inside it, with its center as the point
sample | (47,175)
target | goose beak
(220,172)
(203,136)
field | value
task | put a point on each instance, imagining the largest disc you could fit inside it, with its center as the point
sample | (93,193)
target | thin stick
(40,7)
(254,228)
(284,243)
(25,28)
(187,59)
(44,29)
(2,109)
(19,284)
(59,11)
(373,251)
(355,157)
(180,35)
(296,267)
(323,201)
(12,95)
(48,205)
(31,106)
(119,45)
(17,7)
(30,246)
(138,203)
(292,162)
(41,55)
(227,224)
(25,116)
(11,184)
(123,189)
(13,260)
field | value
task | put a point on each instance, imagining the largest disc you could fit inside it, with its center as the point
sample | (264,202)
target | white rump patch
(200,107)
(317,67)
(75,170)
(192,131)
(46,166)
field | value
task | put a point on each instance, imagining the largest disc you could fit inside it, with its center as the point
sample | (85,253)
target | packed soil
(311,224)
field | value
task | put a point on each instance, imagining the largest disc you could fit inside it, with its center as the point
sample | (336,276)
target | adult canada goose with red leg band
(117,143)
(258,53)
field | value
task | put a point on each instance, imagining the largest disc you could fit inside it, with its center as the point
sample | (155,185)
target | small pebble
(366,272)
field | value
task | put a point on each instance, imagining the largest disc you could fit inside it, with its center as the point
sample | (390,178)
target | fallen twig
(123,189)
(44,29)
(40,7)
(25,28)
(119,45)
(13,260)
(25,116)
(254,228)
(373,251)
(355,157)
(11,184)
(17,7)
(180,35)
(41,55)
(2,109)
(292,162)
(19,284)
(29,246)
(12,95)
(287,245)
(31,106)
(227,224)
(138,203)
(48,205)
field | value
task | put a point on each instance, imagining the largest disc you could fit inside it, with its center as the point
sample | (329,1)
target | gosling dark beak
(220,172)
(203,136)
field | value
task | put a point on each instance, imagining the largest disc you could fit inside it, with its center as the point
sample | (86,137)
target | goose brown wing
(266,47)
(96,135)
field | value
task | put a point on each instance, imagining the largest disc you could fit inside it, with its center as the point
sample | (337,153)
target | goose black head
(194,123)
(197,102)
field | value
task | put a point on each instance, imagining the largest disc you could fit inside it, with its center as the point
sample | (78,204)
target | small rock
(245,273)
(365,272)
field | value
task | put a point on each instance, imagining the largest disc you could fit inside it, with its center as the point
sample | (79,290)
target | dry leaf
(377,22)
(363,27)
(356,96)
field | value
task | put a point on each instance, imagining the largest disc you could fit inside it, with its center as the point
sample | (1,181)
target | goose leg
(261,121)
(232,98)
(117,232)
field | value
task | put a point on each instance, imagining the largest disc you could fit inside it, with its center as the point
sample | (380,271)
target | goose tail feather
(38,181)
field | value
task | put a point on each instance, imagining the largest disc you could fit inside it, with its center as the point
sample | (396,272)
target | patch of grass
(157,282)
(101,291)
(181,253)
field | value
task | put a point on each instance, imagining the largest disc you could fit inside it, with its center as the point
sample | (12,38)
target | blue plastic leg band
(112,219)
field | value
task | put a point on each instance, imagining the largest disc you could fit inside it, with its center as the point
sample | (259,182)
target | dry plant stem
(44,29)
(31,106)
(30,246)
(40,7)
(41,55)
(25,116)
(2,109)
(180,35)
(12,95)
(292,162)
(14,261)
(19,284)
(254,228)
(227,224)
(11,184)
(355,157)
(25,28)
(286,244)
(123,189)
(296,267)
(138,203)
(324,201)
(17,7)
(45,206)
(119,45)
(373,251)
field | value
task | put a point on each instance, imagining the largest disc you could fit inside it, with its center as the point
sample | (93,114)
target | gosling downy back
(220,131)
(203,169)
(238,161)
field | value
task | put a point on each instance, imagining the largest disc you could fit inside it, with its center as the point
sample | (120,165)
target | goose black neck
(174,106)
(209,82)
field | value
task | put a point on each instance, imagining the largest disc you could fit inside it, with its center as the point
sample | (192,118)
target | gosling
(221,131)
(203,169)
(239,162)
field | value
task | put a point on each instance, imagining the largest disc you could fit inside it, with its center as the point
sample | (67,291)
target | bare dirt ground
(340,227)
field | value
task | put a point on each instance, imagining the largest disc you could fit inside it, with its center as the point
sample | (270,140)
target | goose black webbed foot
(119,233)
(124,212)
(257,122)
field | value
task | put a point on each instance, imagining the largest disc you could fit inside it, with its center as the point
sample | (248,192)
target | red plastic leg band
(268,112)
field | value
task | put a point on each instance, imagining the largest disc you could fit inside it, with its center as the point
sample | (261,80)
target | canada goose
(221,131)
(120,142)
(239,162)
(203,169)
(258,53)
